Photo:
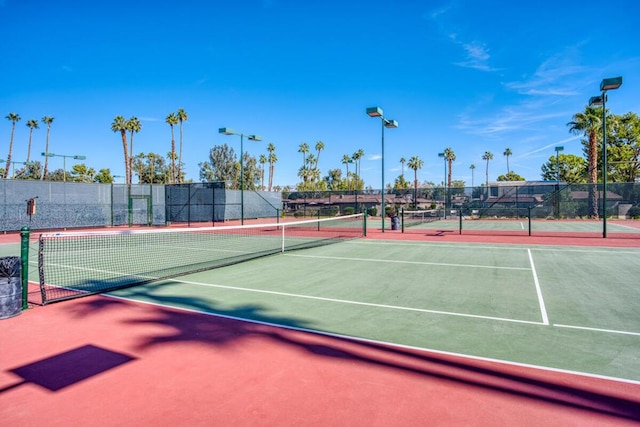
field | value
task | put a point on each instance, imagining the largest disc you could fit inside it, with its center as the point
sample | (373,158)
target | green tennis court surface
(565,308)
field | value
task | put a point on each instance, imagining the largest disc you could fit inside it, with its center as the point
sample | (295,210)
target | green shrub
(634,212)
(349,210)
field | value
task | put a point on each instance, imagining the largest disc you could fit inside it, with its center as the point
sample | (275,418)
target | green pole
(530,220)
(24,258)
(604,164)
(460,219)
(402,213)
(364,222)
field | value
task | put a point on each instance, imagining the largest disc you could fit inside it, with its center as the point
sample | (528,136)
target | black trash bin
(10,287)
(395,223)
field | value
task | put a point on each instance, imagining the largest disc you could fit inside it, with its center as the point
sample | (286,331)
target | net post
(460,219)
(529,215)
(282,243)
(364,222)
(402,216)
(24,258)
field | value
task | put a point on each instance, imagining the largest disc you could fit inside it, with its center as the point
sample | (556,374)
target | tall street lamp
(64,161)
(377,112)
(606,85)
(229,131)
(444,184)
(13,166)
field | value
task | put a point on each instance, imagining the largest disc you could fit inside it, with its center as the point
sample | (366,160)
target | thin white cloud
(374,157)
(477,56)
(509,119)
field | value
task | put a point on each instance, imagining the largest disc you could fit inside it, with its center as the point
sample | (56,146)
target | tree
(304,149)
(507,153)
(133,125)
(172,120)
(272,158)
(119,124)
(359,154)
(589,124)
(81,173)
(402,162)
(103,177)
(13,118)
(573,169)
(263,161)
(624,148)
(151,168)
(450,156)
(47,120)
(319,148)
(510,176)
(346,159)
(182,117)
(401,184)
(473,168)
(415,163)
(33,124)
(221,167)
(32,170)
(487,156)
(334,180)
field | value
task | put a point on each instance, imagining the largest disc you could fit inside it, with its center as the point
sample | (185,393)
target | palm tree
(356,158)
(415,163)
(120,125)
(346,159)
(13,118)
(507,153)
(488,155)
(272,160)
(319,148)
(182,117)
(133,125)
(403,161)
(263,161)
(472,167)
(589,123)
(47,120)
(450,156)
(172,120)
(304,149)
(33,124)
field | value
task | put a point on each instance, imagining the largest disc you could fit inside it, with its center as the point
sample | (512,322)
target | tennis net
(75,264)
(414,218)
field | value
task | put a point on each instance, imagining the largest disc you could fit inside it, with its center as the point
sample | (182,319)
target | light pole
(13,166)
(444,185)
(605,85)
(64,161)
(377,112)
(229,131)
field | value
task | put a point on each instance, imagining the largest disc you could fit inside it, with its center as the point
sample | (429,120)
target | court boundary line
(586,328)
(543,309)
(506,246)
(366,340)
(442,264)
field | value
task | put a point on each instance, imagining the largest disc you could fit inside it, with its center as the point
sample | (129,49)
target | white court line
(506,247)
(611,331)
(441,264)
(393,307)
(543,310)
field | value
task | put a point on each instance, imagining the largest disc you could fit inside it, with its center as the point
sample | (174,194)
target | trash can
(10,287)
(395,223)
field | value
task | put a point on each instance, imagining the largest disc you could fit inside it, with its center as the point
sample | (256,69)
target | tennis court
(523,226)
(564,310)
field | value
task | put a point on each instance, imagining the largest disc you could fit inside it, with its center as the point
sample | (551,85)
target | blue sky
(470,75)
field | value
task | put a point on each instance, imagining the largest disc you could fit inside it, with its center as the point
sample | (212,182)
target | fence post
(24,258)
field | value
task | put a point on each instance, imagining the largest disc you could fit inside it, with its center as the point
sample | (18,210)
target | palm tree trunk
(127,169)
(46,159)
(6,172)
